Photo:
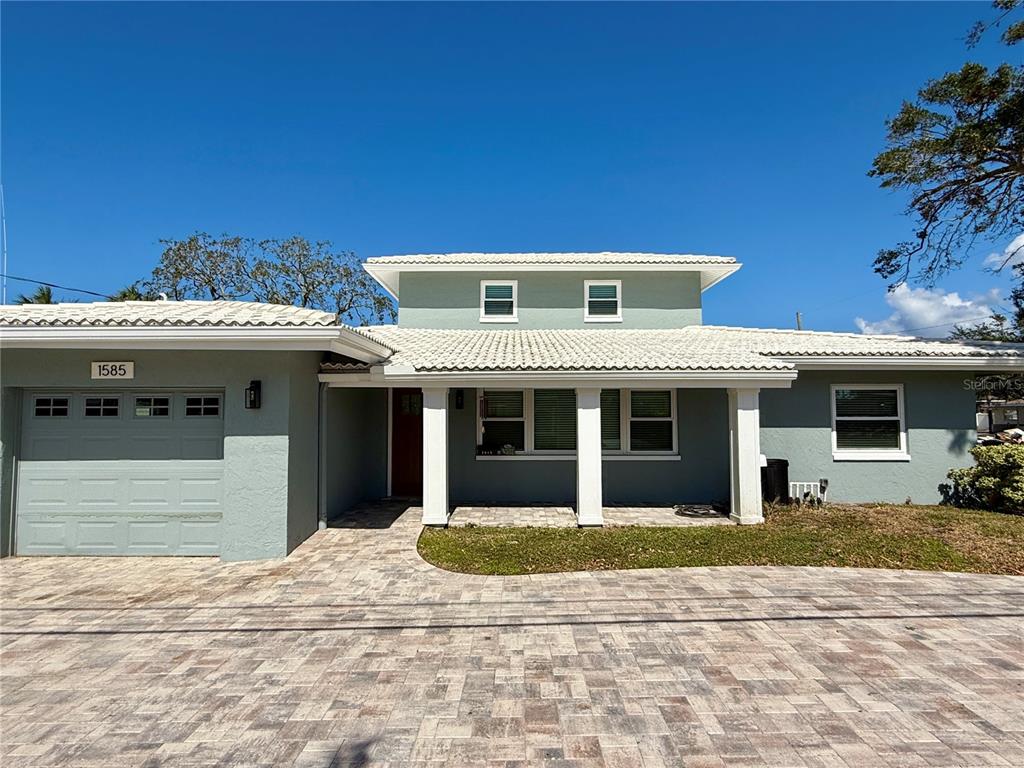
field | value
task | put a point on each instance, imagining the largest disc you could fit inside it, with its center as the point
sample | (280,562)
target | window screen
(867,419)
(499,300)
(602,300)
(502,420)
(651,425)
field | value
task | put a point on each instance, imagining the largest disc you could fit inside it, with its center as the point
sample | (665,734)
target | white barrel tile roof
(165,313)
(604,257)
(709,348)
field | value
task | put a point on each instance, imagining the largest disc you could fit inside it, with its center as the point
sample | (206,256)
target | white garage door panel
(120,486)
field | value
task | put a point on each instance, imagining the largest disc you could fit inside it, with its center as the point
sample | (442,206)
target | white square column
(745,456)
(589,497)
(435,456)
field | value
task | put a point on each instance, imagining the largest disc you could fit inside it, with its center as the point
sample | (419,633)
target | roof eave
(311,338)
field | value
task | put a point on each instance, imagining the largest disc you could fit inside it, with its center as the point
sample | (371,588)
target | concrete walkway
(355,652)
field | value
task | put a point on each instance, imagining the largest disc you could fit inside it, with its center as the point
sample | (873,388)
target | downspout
(321,457)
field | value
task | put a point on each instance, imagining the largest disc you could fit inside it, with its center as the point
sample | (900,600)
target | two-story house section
(510,379)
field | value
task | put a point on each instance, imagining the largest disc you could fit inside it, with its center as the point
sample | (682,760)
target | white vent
(804,492)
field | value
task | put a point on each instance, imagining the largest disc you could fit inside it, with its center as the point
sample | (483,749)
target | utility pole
(799,321)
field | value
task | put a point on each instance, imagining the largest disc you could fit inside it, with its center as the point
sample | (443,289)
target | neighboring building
(997,416)
(234,428)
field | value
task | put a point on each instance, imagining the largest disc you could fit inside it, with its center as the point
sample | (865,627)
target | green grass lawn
(862,536)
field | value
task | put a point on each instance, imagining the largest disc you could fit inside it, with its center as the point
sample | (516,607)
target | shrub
(995,482)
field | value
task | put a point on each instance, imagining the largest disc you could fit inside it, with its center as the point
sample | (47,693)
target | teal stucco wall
(796,424)
(549,299)
(700,476)
(269,454)
(356,448)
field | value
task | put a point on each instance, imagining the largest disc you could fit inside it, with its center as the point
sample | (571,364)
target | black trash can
(775,481)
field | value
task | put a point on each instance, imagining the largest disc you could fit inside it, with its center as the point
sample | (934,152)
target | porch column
(589,499)
(435,456)
(745,456)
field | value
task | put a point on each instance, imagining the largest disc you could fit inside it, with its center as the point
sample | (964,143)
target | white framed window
(502,421)
(651,426)
(868,423)
(499,301)
(602,301)
(202,405)
(152,407)
(106,407)
(542,422)
(51,406)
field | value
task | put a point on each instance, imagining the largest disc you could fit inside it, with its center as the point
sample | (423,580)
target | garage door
(120,473)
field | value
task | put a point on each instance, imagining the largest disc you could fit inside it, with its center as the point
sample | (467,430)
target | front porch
(558,457)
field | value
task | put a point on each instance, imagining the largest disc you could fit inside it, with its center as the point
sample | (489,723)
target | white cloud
(1012,254)
(930,311)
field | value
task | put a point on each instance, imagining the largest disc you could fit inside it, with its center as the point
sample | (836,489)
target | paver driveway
(355,652)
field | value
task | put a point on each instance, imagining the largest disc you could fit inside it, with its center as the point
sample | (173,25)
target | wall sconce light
(253,394)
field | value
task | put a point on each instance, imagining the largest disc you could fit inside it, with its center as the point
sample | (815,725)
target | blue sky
(732,129)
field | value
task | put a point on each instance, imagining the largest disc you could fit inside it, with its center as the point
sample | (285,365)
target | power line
(951,322)
(54,285)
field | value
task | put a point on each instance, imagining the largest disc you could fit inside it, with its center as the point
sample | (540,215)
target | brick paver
(355,652)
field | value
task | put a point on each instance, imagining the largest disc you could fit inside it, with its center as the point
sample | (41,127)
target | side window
(202,405)
(152,406)
(602,301)
(106,407)
(499,301)
(47,407)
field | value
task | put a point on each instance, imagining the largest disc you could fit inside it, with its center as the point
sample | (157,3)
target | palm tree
(43,295)
(135,292)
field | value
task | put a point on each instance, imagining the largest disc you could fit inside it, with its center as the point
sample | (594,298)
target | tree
(958,150)
(42,295)
(291,271)
(137,291)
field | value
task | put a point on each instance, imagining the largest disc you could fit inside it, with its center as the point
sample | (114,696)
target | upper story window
(499,301)
(868,423)
(602,301)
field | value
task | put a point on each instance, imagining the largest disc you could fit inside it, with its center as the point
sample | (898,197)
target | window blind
(603,299)
(611,423)
(498,300)
(554,420)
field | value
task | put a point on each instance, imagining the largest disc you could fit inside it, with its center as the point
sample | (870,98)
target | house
(235,429)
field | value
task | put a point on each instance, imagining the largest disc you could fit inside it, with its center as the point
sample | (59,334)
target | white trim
(389,275)
(902,453)
(435,456)
(589,490)
(745,456)
(327,339)
(565,379)
(589,318)
(870,455)
(514,317)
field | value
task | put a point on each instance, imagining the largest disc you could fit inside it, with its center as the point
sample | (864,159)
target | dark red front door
(407,442)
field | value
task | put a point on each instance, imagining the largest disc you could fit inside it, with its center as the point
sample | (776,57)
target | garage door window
(202,405)
(152,407)
(47,407)
(105,407)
